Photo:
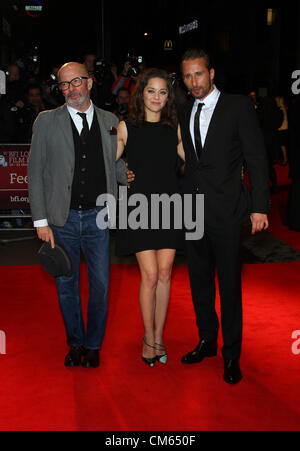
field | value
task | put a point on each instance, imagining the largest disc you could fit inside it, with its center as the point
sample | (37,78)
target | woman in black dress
(151,139)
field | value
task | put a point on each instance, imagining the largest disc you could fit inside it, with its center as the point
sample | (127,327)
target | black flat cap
(55,261)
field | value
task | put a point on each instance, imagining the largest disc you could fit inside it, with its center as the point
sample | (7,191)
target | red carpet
(39,393)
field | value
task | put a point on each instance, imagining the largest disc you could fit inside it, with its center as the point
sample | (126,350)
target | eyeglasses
(64,85)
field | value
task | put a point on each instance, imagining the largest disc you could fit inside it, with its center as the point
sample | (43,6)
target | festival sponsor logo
(3,162)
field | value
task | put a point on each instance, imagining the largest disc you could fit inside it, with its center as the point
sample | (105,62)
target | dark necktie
(197,135)
(85,129)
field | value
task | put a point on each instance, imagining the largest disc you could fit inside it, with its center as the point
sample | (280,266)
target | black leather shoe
(74,356)
(232,372)
(91,359)
(204,349)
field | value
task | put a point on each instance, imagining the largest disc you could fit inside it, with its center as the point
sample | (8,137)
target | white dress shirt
(207,112)
(79,125)
(77,119)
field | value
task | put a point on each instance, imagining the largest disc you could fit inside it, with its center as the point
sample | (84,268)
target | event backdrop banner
(13,176)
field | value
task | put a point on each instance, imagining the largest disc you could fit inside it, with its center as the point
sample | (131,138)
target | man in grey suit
(72,162)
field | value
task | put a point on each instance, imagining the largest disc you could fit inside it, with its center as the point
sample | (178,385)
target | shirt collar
(210,100)
(89,112)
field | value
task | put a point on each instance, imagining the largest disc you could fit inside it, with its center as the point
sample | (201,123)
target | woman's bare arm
(180,149)
(121,139)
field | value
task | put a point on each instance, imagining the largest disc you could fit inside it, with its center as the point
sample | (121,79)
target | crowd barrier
(14,199)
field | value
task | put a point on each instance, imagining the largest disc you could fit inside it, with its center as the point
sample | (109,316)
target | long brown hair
(137,106)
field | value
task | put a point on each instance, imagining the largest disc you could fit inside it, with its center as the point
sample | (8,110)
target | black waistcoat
(89,179)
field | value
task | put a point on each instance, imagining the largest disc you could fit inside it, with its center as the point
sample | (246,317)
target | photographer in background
(7,122)
(15,87)
(89,62)
(122,104)
(11,104)
(35,104)
(100,72)
(132,68)
(51,94)
(7,131)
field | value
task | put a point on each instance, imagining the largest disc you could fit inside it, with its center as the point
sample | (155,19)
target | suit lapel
(65,125)
(189,112)
(185,125)
(213,126)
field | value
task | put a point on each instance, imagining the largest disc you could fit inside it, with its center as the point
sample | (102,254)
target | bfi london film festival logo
(164,209)
(3,162)
(2,342)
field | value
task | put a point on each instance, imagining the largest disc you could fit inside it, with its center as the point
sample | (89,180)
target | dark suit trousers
(219,249)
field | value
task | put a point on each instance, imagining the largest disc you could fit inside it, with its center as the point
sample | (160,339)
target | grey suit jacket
(52,162)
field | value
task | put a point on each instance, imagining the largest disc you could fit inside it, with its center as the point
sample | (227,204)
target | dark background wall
(247,52)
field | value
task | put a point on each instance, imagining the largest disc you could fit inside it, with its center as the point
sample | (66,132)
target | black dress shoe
(74,356)
(204,349)
(91,358)
(232,372)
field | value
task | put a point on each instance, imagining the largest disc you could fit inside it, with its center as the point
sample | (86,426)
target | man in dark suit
(220,132)
(72,162)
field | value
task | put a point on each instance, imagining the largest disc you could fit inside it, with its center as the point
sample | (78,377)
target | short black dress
(151,152)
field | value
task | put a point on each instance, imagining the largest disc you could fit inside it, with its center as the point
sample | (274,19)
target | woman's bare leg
(165,260)
(149,278)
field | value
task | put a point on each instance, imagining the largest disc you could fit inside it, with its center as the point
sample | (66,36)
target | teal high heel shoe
(164,357)
(147,360)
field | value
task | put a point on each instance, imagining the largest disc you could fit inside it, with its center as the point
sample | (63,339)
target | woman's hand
(130,177)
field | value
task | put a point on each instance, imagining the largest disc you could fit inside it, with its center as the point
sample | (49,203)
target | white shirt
(207,112)
(77,119)
(79,125)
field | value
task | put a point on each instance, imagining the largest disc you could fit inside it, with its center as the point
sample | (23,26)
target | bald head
(75,69)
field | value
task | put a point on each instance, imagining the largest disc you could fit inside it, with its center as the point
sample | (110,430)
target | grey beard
(77,104)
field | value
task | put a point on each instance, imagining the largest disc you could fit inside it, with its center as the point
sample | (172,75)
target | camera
(29,63)
(102,72)
(52,83)
(134,62)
